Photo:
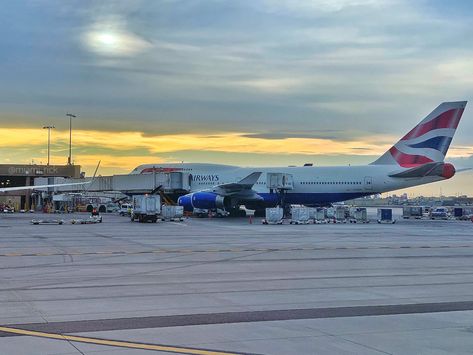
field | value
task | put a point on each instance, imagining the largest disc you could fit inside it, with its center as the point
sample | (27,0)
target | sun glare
(114,43)
(107,39)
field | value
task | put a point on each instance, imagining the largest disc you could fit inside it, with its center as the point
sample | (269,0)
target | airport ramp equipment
(172,213)
(440,213)
(462,213)
(337,214)
(47,221)
(300,215)
(415,212)
(458,212)
(359,215)
(90,220)
(385,215)
(146,208)
(320,215)
(274,215)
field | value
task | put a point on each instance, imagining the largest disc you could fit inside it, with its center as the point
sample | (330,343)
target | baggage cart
(274,215)
(300,215)
(359,215)
(172,213)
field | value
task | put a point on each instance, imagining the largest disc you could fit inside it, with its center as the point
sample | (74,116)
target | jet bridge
(169,182)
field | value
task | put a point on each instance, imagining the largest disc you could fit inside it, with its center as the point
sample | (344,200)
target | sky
(248,82)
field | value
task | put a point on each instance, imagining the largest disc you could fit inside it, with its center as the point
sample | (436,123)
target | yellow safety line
(116,343)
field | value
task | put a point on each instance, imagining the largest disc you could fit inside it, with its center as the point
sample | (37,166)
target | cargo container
(385,215)
(300,215)
(359,215)
(458,212)
(337,214)
(146,208)
(415,212)
(274,215)
(319,215)
(172,213)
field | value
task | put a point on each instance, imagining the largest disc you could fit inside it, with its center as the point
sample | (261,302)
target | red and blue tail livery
(428,141)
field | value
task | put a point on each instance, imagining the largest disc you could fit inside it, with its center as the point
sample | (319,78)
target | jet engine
(203,200)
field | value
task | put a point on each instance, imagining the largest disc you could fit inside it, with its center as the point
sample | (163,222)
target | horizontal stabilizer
(460,170)
(445,170)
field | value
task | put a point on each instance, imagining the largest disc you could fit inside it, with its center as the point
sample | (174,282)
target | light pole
(69,159)
(49,139)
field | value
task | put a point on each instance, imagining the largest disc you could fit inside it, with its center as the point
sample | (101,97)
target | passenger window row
(331,183)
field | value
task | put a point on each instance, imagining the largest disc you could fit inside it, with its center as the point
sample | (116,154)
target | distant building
(12,175)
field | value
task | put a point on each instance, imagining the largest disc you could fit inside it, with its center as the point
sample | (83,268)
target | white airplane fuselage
(312,185)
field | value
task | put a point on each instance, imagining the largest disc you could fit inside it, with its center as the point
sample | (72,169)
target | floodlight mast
(69,159)
(49,140)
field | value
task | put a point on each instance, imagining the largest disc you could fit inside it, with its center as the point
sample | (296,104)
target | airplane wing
(34,187)
(229,195)
(236,187)
(243,186)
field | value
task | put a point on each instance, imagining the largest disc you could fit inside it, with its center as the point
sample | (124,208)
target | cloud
(321,134)
(114,43)
(227,77)
(306,7)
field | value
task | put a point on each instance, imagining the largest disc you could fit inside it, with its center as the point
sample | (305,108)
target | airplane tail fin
(428,141)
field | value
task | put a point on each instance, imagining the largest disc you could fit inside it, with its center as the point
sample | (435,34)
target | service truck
(146,208)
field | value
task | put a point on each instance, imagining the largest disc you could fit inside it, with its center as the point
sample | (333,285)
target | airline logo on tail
(429,141)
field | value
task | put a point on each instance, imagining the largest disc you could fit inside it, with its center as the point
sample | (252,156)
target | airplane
(416,159)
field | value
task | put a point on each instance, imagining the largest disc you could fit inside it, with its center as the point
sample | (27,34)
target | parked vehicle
(146,208)
(439,213)
(125,209)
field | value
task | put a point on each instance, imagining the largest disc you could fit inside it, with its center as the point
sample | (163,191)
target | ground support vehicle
(172,213)
(146,208)
(274,215)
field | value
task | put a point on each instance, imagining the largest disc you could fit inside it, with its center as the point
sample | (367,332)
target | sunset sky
(260,82)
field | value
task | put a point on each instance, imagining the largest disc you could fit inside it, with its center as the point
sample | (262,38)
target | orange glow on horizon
(110,147)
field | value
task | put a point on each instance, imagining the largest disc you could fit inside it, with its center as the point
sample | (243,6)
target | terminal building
(13,175)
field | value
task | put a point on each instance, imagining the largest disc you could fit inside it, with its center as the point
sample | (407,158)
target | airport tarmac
(224,286)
